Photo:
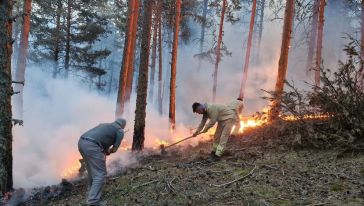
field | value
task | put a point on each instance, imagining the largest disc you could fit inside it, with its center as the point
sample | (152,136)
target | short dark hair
(195,106)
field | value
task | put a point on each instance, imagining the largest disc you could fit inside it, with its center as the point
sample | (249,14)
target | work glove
(109,151)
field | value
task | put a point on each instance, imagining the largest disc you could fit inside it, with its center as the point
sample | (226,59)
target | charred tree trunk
(57,38)
(172,86)
(6,138)
(203,28)
(160,59)
(218,49)
(68,38)
(154,55)
(141,101)
(319,42)
(247,55)
(22,57)
(121,98)
(260,31)
(129,83)
(313,35)
(283,60)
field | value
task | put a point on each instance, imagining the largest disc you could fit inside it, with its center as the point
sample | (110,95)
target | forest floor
(256,170)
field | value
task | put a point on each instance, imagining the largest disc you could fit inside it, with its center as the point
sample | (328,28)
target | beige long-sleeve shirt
(216,113)
(237,106)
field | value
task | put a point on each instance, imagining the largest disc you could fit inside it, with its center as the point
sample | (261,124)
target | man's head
(121,122)
(198,108)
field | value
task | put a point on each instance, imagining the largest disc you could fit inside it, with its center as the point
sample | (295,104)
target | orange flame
(160,142)
(245,123)
(71,171)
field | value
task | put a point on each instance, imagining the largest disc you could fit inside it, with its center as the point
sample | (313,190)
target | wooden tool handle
(179,142)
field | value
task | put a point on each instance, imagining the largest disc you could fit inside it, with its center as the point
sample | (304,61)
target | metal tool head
(163,149)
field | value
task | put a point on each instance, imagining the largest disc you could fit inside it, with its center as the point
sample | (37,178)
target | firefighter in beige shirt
(225,117)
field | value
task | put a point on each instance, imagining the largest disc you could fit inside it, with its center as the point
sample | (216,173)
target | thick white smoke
(58,111)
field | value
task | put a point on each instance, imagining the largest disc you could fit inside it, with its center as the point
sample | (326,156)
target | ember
(306,117)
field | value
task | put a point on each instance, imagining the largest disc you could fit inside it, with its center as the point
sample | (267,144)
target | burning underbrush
(339,100)
(259,166)
(255,128)
(330,117)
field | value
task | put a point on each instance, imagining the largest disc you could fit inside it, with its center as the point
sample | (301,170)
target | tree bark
(283,60)
(57,38)
(172,93)
(129,84)
(16,26)
(68,38)
(160,59)
(319,42)
(247,55)
(141,101)
(6,138)
(218,49)
(313,35)
(22,57)
(154,55)
(362,29)
(121,98)
(260,31)
(362,42)
(203,28)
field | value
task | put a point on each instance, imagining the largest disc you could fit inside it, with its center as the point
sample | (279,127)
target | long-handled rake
(163,147)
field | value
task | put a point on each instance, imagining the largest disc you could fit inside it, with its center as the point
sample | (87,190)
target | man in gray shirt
(94,145)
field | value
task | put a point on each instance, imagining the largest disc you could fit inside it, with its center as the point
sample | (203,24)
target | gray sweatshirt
(106,134)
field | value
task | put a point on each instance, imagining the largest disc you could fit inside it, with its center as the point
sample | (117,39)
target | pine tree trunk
(22,57)
(121,98)
(283,60)
(362,42)
(129,84)
(319,42)
(57,38)
(141,101)
(16,26)
(154,56)
(172,87)
(160,59)
(260,30)
(68,38)
(218,49)
(362,29)
(247,55)
(203,28)
(313,35)
(6,138)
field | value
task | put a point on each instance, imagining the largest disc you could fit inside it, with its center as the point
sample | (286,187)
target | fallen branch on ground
(144,184)
(240,178)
